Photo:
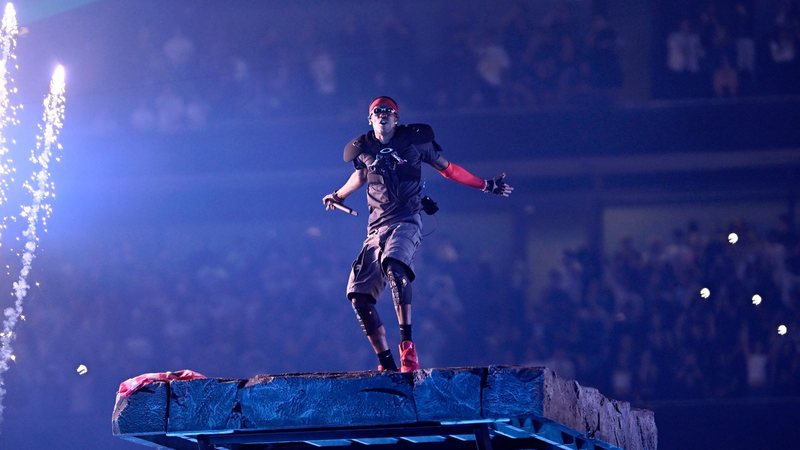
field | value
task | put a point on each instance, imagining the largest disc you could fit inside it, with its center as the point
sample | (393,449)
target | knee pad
(399,281)
(367,314)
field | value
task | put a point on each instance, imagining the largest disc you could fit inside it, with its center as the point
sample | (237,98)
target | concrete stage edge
(495,407)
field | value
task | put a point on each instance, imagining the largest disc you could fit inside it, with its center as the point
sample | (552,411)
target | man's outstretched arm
(354,183)
(453,171)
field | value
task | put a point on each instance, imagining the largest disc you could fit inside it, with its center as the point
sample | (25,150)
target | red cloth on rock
(131,385)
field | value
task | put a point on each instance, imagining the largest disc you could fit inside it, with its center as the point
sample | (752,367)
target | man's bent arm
(357,179)
(354,183)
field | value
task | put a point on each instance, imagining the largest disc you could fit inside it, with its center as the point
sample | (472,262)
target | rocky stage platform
(495,407)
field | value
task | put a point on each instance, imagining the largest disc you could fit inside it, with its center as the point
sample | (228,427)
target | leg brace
(367,314)
(399,282)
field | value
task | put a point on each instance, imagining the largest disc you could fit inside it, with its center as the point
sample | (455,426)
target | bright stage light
(57,83)
(10,19)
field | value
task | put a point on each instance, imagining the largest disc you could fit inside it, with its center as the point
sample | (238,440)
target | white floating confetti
(705,293)
(82,370)
(756,299)
(733,238)
(782,329)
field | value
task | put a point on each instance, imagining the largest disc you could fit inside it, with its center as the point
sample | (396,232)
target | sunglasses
(382,109)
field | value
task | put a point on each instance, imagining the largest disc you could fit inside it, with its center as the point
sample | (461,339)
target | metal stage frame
(503,434)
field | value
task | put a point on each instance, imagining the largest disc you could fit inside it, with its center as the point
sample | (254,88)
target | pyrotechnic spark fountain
(41,190)
(8,116)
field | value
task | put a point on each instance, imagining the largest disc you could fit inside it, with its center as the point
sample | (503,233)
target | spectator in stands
(601,53)
(783,58)
(788,16)
(322,70)
(757,360)
(684,55)
(743,31)
(721,56)
(785,365)
(725,79)
(492,63)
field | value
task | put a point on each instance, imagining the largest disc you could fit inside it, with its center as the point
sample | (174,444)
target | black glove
(498,186)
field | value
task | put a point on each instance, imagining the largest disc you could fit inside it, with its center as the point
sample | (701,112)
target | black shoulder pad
(353,148)
(420,133)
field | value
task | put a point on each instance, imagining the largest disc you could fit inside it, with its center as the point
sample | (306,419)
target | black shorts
(399,241)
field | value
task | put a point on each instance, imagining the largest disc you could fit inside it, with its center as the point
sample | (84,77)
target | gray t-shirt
(394,172)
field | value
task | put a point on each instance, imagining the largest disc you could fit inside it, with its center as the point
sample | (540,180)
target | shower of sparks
(41,190)
(8,111)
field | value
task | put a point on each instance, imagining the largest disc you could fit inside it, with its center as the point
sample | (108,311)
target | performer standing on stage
(389,160)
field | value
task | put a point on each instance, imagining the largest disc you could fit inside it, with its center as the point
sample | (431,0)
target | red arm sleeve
(461,175)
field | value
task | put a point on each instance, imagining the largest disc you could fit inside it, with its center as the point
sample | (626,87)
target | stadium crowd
(634,322)
(719,49)
(182,77)
(631,323)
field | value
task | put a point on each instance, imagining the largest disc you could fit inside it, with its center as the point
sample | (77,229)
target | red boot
(408,357)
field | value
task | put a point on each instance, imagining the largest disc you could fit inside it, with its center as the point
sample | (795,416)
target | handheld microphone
(343,208)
